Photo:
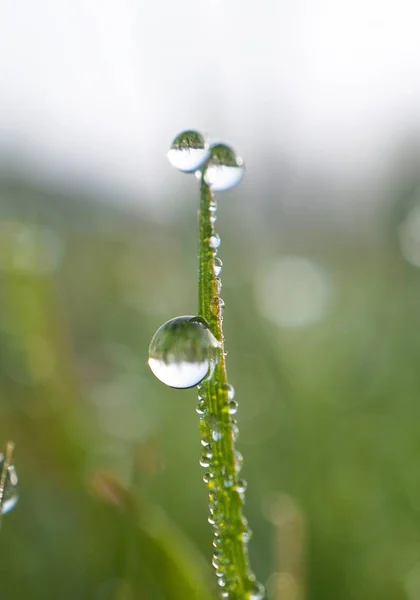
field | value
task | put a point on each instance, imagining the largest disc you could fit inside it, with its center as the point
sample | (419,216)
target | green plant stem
(233,525)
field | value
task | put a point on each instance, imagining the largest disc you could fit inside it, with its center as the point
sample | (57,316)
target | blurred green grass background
(111,500)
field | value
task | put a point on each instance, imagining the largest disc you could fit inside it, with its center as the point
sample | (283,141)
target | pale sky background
(94,90)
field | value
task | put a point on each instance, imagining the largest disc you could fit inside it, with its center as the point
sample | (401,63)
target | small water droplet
(224,169)
(224,594)
(241,486)
(183,352)
(206,477)
(204,461)
(214,241)
(202,394)
(215,430)
(217,266)
(239,459)
(235,432)
(245,536)
(188,151)
(233,407)
(230,391)
(201,407)
(10,494)
(221,581)
(208,452)
(228,482)
(257,592)
(218,285)
(222,303)
(217,559)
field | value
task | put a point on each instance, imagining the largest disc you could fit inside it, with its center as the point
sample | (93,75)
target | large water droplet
(183,352)
(188,151)
(224,169)
(10,494)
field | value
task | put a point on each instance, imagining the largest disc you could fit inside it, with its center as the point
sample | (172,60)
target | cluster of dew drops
(184,352)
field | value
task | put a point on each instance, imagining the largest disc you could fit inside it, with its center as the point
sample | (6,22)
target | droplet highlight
(183,352)
(224,169)
(188,151)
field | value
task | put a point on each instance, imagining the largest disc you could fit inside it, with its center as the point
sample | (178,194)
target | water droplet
(215,430)
(230,391)
(239,459)
(257,592)
(217,266)
(224,594)
(10,494)
(201,407)
(214,241)
(245,536)
(235,432)
(202,394)
(188,151)
(241,486)
(221,581)
(204,462)
(233,407)
(228,482)
(183,352)
(208,452)
(218,285)
(210,481)
(217,559)
(222,303)
(224,169)
(205,431)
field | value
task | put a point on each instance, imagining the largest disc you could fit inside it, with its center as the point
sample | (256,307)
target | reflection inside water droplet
(188,151)
(224,169)
(183,352)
